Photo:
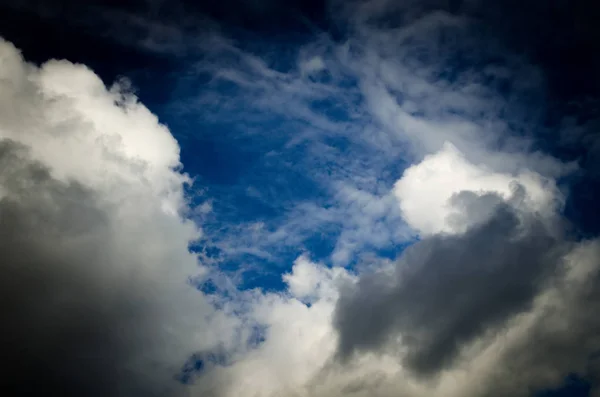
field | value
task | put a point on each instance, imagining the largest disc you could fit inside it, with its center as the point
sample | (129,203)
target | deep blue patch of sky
(573,386)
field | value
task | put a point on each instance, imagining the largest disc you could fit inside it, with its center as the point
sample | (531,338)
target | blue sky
(272,173)
(323,199)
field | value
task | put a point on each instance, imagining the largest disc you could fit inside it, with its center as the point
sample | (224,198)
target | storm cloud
(447,290)
(72,326)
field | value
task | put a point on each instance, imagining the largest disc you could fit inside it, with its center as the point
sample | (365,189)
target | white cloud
(310,281)
(110,138)
(91,187)
(425,190)
(300,340)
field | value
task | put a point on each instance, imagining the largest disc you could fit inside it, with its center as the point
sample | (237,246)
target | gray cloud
(71,325)
(559,336)
(447,290)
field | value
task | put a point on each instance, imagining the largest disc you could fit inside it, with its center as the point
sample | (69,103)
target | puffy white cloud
(110,138)
(425,191)
(299,338)
(307,279)
(94,245)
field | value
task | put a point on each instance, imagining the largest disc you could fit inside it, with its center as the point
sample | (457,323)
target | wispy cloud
(349,116)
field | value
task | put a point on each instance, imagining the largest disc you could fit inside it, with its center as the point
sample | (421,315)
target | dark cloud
(447,290)
(559,337)
(71,325)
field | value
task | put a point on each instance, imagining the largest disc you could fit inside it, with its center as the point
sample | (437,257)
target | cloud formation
(415,129)
(94,248)
(449,289)
(428,192)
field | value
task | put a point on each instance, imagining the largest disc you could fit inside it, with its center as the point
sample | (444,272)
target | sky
(310,199)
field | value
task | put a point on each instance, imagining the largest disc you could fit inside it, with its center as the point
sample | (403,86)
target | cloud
(543,330)
(310,281)
(416,125)
(448,290)
(490,298)
(298,337)
(425,190)
(94,246)
(558,335)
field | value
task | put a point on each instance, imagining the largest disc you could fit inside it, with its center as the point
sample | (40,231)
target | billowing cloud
(448,290)
(393,171)
(94,248)
(486,285)
(426,191)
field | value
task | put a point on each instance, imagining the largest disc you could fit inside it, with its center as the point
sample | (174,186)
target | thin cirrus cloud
(392,181)
(333,131)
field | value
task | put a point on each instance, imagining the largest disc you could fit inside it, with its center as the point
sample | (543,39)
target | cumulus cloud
(425,191)
(449,289)
(431,324)
(483,293)
(298,337)
(94,248)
